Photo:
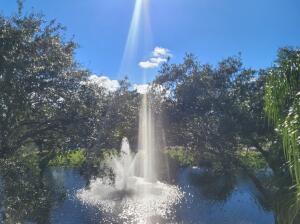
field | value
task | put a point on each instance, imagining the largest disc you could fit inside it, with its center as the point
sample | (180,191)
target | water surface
(198,206)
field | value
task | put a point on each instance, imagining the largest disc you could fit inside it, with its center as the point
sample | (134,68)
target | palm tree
(282,106)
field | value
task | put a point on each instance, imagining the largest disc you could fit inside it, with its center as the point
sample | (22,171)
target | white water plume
(147,143)
(130,198)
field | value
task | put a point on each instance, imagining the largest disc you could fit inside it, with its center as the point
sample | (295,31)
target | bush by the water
(181,155)
(252,159)
(74,158)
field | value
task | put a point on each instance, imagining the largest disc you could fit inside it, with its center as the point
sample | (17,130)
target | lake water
(213,203)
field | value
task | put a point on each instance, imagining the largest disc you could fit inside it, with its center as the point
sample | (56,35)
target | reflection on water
(141,202)
(239,207)
(71,210)
(25,195)
(215,188)
(198,206)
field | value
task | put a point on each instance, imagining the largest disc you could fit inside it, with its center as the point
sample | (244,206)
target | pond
(201,203)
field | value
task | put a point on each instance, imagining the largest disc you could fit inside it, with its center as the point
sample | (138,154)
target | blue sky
(210,29)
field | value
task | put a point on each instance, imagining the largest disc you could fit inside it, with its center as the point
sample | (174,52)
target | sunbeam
(139,37)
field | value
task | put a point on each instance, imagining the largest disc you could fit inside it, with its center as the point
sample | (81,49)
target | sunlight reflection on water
(142,202)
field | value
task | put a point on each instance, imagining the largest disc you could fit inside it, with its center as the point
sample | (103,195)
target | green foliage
(41,92)
(252,159)
(73,158)
(181,155)
(48,99)
(120,118)
(212,110)
(287,207)
(101,158)
(27,195)
(282,105)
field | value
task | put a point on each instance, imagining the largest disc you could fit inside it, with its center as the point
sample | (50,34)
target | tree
(121,117)
(41,86)
(282,105)
(207,105)
(47,104)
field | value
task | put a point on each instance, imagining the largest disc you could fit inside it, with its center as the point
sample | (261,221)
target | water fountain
(123,166)
(135,195)
(147,143)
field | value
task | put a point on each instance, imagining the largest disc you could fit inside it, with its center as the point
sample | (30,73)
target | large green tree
(43,98)
(215,111)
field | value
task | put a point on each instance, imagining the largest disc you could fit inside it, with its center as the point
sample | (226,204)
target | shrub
(181,155)
(74,158)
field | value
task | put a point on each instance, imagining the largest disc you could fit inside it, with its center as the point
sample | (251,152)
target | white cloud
(161,52)
(158,60)
(112,85)
(159,55)
(148,64)
(142,88)
(104,81)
